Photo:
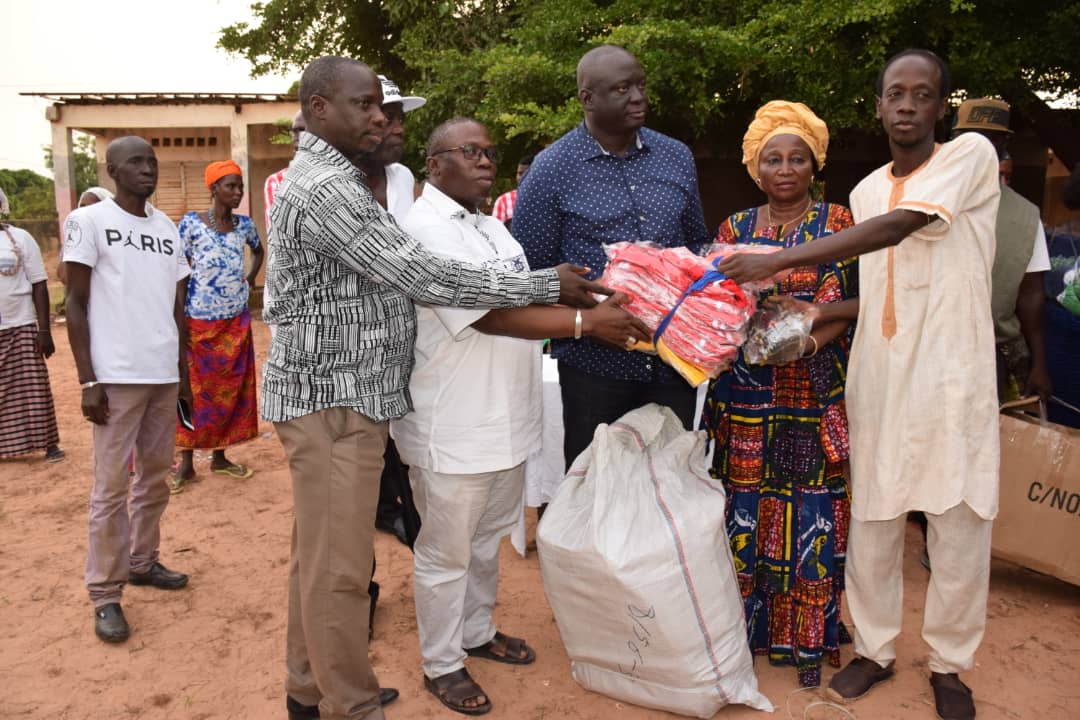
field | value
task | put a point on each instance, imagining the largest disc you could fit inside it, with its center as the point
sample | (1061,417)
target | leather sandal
(515,651)
(952,698)
(453,689)
(857,679)
(234,470)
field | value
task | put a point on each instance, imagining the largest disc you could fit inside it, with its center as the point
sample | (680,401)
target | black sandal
(857,679)
(952,698)
(453,689)
(517,652)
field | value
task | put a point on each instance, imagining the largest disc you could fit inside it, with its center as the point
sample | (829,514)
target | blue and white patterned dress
(217,289)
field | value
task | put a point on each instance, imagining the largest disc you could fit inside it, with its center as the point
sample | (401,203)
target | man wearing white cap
(394,188)
(392,184)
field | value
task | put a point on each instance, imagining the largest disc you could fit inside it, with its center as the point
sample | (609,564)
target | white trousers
(456,559)
(954,618)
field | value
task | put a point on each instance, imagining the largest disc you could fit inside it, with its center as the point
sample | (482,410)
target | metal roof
(141,98)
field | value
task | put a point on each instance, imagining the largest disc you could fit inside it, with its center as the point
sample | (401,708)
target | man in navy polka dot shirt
(609,179)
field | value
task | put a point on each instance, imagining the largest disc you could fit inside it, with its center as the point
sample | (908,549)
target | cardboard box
(1038,523)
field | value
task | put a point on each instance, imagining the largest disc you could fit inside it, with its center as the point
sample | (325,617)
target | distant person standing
(128,346)
(503,211)
(27,414)
(89,197)
(220,353)
(94,195)
(270,192)
(296,127)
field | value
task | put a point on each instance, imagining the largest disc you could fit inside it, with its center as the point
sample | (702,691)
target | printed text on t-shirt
(145,243)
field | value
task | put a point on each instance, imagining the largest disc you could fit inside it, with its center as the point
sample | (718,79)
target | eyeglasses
(473,152)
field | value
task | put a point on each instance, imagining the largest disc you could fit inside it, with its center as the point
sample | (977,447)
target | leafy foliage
(85,159)
(29,194)
(710,63)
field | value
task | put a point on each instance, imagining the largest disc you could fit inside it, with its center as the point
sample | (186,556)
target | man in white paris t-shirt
(127,279)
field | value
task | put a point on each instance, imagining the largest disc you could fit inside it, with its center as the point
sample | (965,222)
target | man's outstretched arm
(874,234)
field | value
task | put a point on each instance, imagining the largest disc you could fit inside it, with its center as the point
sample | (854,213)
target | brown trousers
(141,418)
(335,459)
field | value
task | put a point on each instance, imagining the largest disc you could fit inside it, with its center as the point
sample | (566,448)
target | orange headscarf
(217,170)
(780,117)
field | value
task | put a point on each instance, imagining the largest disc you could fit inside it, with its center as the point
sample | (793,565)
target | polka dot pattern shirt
(577,198)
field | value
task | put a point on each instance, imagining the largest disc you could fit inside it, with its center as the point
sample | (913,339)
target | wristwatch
(88,385)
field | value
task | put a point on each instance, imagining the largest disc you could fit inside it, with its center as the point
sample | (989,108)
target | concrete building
(187,131)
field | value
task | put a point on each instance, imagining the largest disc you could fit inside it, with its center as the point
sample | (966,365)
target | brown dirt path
(215,650)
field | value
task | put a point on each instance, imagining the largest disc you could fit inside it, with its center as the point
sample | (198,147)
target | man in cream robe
(922,401)
(921,389)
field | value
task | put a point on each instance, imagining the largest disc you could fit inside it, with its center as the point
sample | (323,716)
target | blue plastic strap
(698,285)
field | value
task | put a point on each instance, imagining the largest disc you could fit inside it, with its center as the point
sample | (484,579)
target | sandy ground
(216,648)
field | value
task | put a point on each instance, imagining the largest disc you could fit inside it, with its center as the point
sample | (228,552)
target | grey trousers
(125,514)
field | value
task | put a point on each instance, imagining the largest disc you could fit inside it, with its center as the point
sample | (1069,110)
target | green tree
(30,195)
(710,63)
(85,159)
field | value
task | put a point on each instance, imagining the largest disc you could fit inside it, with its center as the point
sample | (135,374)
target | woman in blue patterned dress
(781,430)
(221,356)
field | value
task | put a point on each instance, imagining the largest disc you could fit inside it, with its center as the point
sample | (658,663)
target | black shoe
(311,712)
(160,577)
(857,679)
(109,623)
(373,593)
(952,698)
(300,712)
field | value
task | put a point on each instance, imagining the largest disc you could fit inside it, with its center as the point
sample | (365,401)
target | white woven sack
(638,571)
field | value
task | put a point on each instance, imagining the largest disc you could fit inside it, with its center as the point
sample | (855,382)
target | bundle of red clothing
(697,314)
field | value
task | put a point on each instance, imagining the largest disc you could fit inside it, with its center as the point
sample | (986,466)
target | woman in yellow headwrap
(220,354)
(781,430)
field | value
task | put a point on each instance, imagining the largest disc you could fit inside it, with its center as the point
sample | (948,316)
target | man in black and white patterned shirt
(344,277)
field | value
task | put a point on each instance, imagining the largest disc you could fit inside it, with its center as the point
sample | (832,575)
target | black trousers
(589,400)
